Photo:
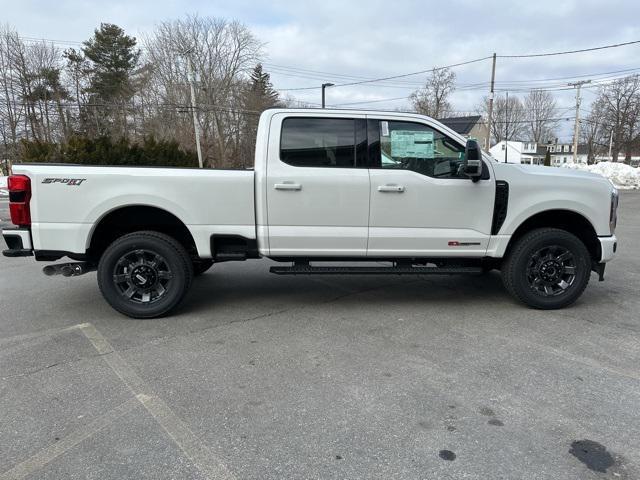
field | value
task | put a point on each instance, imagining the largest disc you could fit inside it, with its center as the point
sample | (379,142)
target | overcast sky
(375,38)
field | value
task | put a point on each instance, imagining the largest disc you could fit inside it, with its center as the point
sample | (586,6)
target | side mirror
(472,166)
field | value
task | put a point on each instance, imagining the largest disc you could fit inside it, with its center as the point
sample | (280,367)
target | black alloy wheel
(145,274)
(551,271)
(547,268)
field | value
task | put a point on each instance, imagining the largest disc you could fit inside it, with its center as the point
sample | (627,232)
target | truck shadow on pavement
(220,290)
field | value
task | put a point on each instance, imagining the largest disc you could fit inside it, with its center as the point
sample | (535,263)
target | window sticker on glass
(384,126)
(411,144)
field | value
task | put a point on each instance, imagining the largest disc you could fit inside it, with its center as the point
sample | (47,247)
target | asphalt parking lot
(260,377)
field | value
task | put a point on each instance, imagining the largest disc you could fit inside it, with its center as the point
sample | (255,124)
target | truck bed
(69,200)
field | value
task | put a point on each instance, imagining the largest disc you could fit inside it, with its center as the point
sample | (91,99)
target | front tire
(144,274)
(547,268)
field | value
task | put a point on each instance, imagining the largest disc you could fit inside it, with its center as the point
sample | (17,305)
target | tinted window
(417,147)
(318,142)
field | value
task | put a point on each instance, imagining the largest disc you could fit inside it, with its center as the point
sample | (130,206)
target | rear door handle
(287,186)
(391,188)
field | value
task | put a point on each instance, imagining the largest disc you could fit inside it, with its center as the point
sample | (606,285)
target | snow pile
(622,175)
(3,187)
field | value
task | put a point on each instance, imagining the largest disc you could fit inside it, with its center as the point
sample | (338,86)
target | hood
(549,174)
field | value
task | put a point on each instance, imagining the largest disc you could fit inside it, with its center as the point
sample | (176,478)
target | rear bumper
(19,242)
(608,247)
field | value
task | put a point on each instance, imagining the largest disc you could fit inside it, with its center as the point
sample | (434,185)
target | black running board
(398,270)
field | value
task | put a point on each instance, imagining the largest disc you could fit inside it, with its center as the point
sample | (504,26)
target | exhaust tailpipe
(72,269)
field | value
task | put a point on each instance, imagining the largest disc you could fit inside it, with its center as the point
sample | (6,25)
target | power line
(317,74)
(571,77)
(49,40)
(567,52)
(435,69)
(370,101)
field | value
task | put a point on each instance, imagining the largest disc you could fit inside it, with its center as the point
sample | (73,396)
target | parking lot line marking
(190,444)
(42,333)
(199,453)
(50,453)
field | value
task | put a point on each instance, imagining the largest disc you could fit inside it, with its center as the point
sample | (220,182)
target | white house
(519,152)
(562,153)
(531,153)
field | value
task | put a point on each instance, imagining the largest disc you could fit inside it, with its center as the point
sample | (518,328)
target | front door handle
(287,186)
(391,188)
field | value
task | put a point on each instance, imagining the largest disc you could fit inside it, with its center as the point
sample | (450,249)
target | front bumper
(608,247)
(19,242)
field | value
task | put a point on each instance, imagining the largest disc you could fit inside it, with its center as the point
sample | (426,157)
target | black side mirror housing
(472,166)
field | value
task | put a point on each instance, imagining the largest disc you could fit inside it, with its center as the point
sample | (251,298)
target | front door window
(419,148)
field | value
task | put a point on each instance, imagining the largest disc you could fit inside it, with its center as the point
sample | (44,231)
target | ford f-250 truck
(328,186)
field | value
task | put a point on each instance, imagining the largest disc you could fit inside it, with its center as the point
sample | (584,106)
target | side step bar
(397,270)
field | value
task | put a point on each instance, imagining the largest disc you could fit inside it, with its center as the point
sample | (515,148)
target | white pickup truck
(400,191)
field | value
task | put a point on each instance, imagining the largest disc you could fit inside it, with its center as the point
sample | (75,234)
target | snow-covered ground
(622,175)
(3,187)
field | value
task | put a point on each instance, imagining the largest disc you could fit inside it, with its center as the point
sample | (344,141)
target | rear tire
(547,268)
(145,274)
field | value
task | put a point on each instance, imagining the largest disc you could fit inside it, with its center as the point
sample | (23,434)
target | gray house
(472,126)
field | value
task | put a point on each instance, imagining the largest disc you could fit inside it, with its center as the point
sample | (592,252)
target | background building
(470,127)
(529,153)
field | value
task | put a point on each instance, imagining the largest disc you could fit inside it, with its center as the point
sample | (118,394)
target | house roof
(461,125)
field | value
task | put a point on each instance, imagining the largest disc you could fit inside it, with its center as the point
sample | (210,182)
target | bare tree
(222,54)
(44,90)
(540,107)
(620,102)
(11,109)
(509,118)
(433,99)
(593,132)
(76,69)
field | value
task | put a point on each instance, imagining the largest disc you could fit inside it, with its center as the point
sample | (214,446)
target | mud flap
(599,269)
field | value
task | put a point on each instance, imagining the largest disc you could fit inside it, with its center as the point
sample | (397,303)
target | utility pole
(196,125)
(576,128)
(506,126)
(325,85)
(610,146)
(491,92)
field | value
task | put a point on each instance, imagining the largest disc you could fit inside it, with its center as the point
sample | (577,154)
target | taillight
(19,197)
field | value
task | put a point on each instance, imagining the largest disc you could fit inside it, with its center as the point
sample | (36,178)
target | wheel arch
(131,218)
(567,220)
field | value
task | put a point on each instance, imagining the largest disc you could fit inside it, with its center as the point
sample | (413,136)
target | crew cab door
(421,205)
(317,198)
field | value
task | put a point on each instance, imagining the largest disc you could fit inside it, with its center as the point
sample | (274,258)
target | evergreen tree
(258,96)
(113,59)
(260,91)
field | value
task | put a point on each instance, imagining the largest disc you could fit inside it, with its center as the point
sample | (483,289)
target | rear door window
(321,142)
